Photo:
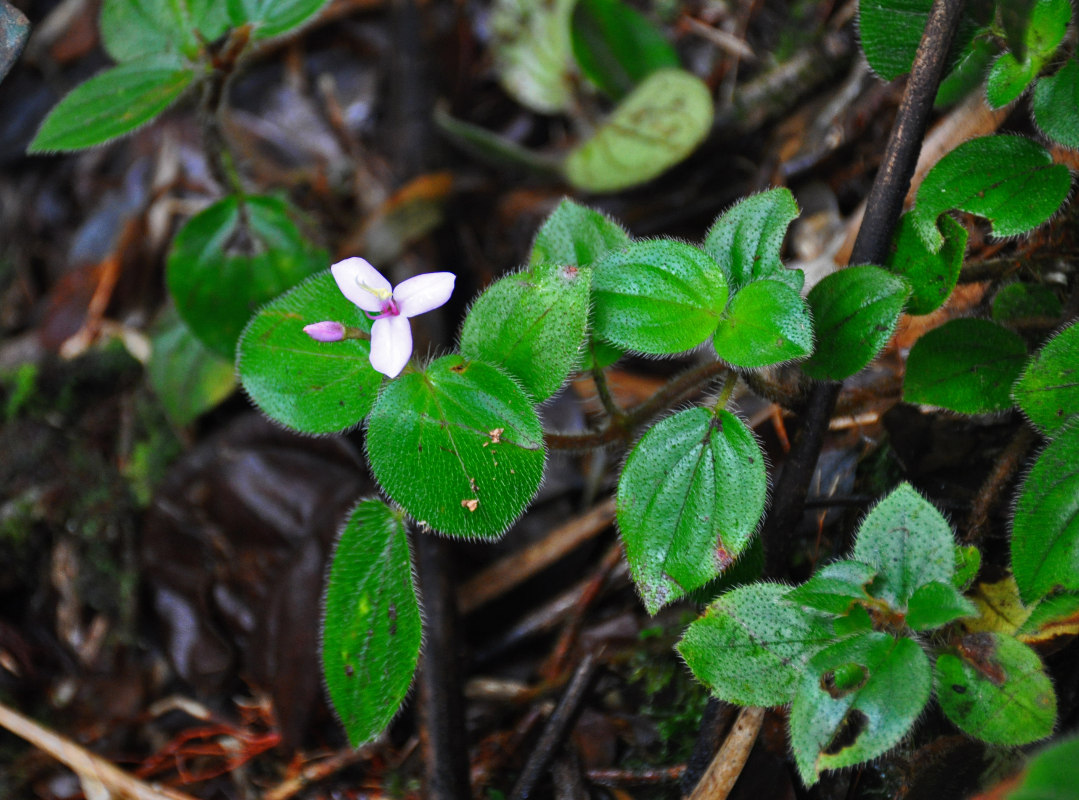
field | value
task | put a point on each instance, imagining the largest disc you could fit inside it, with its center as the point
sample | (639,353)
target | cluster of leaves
(241,251)
(855,633)
(456,443)
(541,49)
(1004,46)
(162,47)
(858,649)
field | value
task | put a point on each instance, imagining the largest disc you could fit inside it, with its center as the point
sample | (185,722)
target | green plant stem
(219,155)
(599,378)
(725,393)
(620,430)
(883,206)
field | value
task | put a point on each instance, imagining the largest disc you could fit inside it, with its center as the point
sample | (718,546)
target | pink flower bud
(327,331)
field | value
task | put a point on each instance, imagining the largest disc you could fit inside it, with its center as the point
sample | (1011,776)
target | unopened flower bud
(327,331)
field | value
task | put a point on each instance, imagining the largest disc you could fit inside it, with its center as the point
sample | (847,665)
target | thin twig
(725,768)
(513,570)
(91,769)
(318,771)
(558,726)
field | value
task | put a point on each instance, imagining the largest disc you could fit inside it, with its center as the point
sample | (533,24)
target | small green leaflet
(532,325)
(766,322)
(747,238)
(751,645)
(855,311)
(1010,180)
(658,296)
(1056,105)
(965,365)
(855,700)
(935,604)
(907,541)
(890,31)
(113,103)
(994,687)
(309,386)
(835,588)
(689,500)
(458,445)
(371,629)
(932,275)
(574,235)
(1008,79)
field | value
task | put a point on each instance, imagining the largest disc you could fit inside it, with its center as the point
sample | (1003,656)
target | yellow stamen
(381,294)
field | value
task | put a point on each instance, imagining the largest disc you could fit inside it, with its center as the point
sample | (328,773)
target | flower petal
(391,345)
(423,292)
(353,275)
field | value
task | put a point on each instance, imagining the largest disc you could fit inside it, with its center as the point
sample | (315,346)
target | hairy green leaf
(994,688)
(747,238)
(855,311)
(835,587)
(458,445)
(531,324)
(689,500)
(908,542)
(658,296)
(1056,105)
(1010,180)
(751,645)
(855,700)
(932,275)
(371,628)
(113,103)
(309,386)
(766,322)
(965,365)
(1045,530)
(1048,390)
(574,235)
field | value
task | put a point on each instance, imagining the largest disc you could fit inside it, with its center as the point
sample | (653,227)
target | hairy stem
(883,207)
(621,428)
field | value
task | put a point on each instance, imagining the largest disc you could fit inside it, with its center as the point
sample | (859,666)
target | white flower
(391,307)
